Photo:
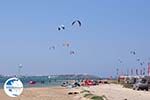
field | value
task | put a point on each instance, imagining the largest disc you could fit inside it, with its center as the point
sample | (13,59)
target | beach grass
(89,95)
(127,85)
(85,91)
(97,98)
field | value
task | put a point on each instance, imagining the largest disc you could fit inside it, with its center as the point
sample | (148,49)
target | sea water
(25,80)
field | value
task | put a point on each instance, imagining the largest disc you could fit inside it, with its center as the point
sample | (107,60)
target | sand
(117,92)
(111,91)
(52,93)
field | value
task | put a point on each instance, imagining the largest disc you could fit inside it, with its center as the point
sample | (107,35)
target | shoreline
(110,91)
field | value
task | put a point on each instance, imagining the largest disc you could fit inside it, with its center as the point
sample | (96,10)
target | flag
(148,69)
(141,72)
(131,71)
(137,72)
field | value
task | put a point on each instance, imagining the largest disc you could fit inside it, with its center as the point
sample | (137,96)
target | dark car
(141,84)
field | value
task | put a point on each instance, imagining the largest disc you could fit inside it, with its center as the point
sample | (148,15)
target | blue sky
(110,30)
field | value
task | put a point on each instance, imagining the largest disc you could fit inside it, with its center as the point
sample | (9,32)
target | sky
(110,30)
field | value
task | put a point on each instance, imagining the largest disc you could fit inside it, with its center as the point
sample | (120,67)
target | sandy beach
(117,92)
(52,93)
(111,91)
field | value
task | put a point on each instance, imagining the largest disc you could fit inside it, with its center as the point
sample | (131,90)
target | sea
(47,81)
(41,81)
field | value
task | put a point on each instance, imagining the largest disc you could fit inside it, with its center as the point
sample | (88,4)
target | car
(141,84)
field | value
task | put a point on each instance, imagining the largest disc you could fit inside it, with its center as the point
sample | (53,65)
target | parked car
(141,84)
